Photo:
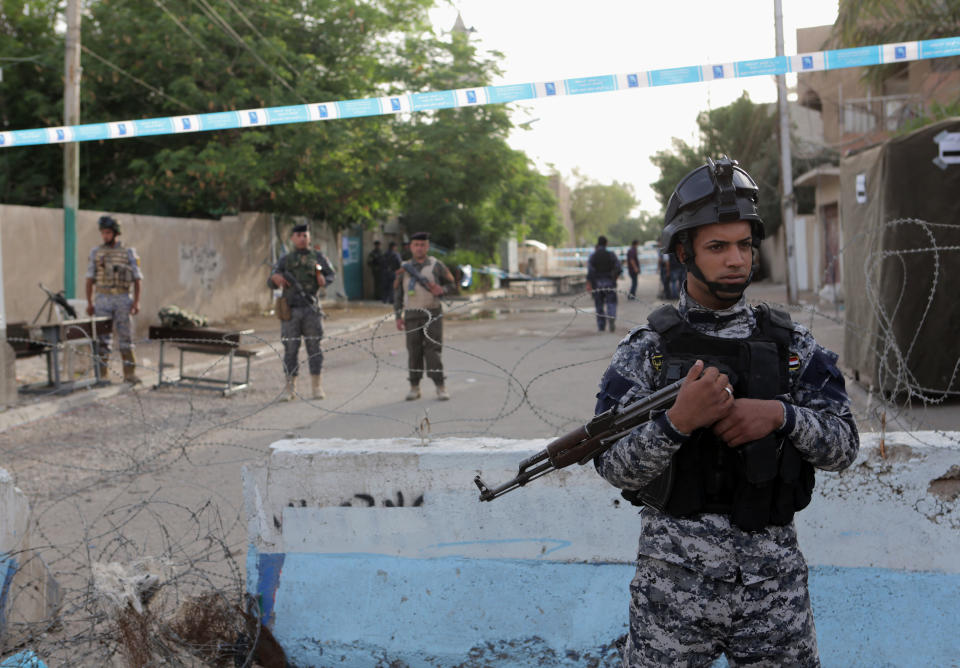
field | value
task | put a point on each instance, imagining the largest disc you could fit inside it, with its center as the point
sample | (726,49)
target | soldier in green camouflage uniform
(722,472)
(301,273)
(114,268)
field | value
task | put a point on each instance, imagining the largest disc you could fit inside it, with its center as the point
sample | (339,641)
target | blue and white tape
(863,56)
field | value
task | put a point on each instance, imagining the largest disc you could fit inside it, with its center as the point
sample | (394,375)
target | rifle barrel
(580,446)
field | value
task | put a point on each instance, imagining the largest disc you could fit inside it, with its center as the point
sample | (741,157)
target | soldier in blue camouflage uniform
(721,473)
(301,273)
(114,268)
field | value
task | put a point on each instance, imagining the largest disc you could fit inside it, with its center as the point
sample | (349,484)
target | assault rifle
(584,443)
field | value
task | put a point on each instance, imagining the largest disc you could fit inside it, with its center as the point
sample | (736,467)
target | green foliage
(867,22)
(596,208)
(31,55)
(645,227)
(744,131)
(450,172)
(934,114)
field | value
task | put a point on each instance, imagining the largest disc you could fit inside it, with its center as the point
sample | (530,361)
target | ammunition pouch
(282,309)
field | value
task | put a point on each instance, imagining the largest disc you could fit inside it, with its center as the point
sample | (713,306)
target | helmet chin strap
(731,292)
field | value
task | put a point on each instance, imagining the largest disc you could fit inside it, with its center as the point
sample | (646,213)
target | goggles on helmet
(717,192)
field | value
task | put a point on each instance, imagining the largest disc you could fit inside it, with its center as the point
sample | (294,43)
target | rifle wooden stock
(585,442)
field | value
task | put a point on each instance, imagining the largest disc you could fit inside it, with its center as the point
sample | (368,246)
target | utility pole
(71,150)
(786,170)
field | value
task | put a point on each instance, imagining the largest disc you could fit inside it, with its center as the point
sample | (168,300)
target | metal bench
(210,342)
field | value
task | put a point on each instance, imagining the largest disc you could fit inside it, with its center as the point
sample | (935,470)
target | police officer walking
(423,279)
(300,274)
(722,472)
(603,270)
(114,268)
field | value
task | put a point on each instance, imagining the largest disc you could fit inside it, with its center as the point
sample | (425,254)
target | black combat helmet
(717,192)
(108,223)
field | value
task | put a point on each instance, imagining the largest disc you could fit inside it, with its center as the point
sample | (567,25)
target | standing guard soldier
(301,273)
(722,472)
(113,268)
(419,284)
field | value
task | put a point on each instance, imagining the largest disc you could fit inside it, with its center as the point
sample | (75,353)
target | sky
(611,136)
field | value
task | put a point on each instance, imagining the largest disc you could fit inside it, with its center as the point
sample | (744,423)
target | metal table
(205,341)
(51,339)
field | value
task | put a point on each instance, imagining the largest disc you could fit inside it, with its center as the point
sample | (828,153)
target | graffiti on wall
(199,266)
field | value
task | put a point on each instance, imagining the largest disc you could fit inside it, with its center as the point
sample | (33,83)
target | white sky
(611,136)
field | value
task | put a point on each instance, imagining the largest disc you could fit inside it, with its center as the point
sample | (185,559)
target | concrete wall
(369,552)
(214,267)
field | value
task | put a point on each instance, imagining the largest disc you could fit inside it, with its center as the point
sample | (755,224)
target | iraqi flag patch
(793,361)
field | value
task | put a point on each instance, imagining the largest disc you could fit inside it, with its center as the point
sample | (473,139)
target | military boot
(442,393)
(130,367)
(414,392)
(317,387)
(104,370)
(612,324)
(290,390)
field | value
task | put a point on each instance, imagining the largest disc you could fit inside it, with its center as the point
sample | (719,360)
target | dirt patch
(947,486)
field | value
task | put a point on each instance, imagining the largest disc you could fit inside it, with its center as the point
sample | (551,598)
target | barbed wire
(137,515)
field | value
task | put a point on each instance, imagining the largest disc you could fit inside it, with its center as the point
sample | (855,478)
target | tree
(596,208)
(31,55)
(645,227)
(744,131)
(868,22)
(451,170)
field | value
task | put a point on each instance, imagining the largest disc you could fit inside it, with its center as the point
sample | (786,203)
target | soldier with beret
(114,269)
(300,274)
(419,284)
(721,474)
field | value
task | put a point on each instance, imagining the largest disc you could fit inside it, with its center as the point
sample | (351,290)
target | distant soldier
(113,268)
(418,288)
(603,270)
(391,264)
(301,273)
(375,262)
(633,267)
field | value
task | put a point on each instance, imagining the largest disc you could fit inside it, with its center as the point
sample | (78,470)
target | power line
(262,38)
(228,29)
(132,77)
(180,25)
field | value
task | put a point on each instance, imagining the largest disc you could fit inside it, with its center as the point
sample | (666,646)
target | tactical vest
(415,296)
(604,263)
(303,266)
(757,484)
(113,275)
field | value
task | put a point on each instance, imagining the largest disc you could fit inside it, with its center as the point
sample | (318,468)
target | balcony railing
(885,113)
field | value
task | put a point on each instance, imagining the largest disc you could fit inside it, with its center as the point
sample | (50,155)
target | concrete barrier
(374,552)
(28,593)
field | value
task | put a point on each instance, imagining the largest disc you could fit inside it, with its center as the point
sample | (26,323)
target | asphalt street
(140,473)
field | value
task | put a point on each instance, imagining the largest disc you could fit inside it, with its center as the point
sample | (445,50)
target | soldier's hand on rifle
(280,281)
(703,399)
(435,289)
(750,420)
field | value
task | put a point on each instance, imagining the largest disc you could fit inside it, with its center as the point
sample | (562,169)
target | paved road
(150,473)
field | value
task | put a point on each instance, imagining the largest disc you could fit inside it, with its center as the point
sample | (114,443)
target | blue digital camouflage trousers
(116,307)
(304,322)
(679,617)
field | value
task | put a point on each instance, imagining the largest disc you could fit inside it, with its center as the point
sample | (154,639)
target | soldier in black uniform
(301,273)
(722,472)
